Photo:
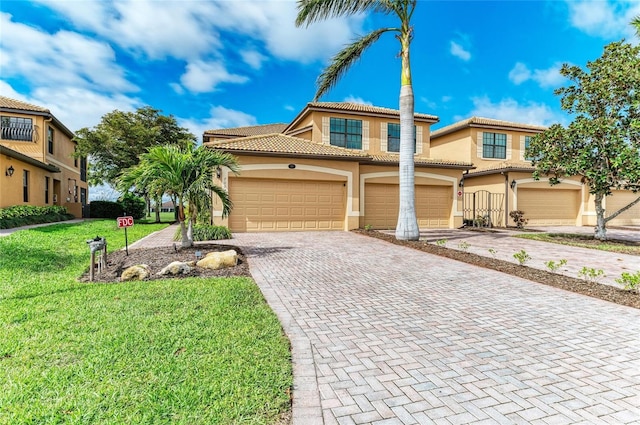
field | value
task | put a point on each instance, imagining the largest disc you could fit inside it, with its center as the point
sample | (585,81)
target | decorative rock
(219,259)
(137,272)
(177,267)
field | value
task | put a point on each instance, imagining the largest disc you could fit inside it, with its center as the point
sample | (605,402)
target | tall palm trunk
(407,227)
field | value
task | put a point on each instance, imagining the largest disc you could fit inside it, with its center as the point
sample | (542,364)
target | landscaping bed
(592,289)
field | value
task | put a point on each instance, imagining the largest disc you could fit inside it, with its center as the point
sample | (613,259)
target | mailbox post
(125,221)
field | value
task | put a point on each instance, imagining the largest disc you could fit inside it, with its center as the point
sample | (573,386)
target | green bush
(105,209)
(205,232)
(22,215)
(134,206)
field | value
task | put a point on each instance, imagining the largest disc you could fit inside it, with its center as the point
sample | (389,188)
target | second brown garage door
(286,205)
(549,207)
(433,206)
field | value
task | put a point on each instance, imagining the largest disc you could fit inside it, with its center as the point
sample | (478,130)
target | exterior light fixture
(461,184)
(513,184)
(9,171)
(218,172)
(292,166)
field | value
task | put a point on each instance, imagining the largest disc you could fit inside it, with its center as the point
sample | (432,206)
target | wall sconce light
(461,184)
(513,184)
(218,172)
(9,171)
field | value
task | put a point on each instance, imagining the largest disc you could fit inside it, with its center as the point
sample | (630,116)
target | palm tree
(187,173)
(636,23)
(310,11)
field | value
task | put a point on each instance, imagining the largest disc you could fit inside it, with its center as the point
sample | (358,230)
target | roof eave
(24,158)
(501,171)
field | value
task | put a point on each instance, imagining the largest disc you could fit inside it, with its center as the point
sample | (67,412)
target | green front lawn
(584,241)
(167,351)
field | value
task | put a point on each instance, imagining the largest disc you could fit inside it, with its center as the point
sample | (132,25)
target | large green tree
(602,143)
(187,173)
(116,143)
(310,11)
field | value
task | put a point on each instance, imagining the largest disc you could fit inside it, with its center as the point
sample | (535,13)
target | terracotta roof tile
(485,122)
(253,130)
(503,166)
(359,107)
(280,143)
(6,102)
(420,160)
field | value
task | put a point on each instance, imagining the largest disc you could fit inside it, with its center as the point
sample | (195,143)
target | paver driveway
(388,335)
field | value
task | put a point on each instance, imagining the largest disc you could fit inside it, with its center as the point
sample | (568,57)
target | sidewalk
(7,232)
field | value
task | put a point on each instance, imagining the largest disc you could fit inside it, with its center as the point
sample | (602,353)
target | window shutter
(383,137)
(509,143)
(326,131)
(521,148)
(418,140)
(479,143)
(365,135)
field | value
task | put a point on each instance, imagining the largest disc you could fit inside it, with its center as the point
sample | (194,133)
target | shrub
(518,218)
(522,257)
(206,232)
(553,266)
(441,242)
(22,215)
(464,245)
(590,274)
(133,205)
(105,209)
(631,282)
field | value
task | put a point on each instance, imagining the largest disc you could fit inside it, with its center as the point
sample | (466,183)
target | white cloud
(253,58)
(219,117)
(289,108)
(510,110)
(458,51)
(203,77)
(607,19)
(546,78)
(355,99)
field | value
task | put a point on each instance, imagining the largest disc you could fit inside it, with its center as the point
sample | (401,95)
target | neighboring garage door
(549,207)
(286,205)
(619,199)
(433,206)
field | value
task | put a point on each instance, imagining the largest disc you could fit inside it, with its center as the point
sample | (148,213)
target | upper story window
(393,137)
(346,133)
(25,186)
(15,128)
(83,169)
(50,137)
(527,142)
(494,145)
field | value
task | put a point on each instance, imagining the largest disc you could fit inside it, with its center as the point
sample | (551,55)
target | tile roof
(502,166)
(420,160)
(252,130)
(280,143)
(6,102)
(485,122)
(362,108)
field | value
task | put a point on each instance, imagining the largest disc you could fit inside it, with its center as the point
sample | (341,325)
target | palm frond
(636,23)
(344,59)
(310,11)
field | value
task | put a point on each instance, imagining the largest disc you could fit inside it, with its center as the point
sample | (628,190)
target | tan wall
(371,128)
(455,146)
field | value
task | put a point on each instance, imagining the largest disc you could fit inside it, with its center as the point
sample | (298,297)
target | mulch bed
(158,258)
(596,290)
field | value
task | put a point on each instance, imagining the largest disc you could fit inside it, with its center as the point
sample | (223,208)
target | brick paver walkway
(383,334)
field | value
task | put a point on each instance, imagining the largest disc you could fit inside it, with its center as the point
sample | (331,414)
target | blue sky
(217,64)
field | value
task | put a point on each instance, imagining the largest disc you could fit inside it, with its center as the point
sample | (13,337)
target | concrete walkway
(383,334)
(7,232)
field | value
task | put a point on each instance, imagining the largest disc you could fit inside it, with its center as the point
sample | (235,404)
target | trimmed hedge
(23,215)
(133,206)
(202,232)
(105,209)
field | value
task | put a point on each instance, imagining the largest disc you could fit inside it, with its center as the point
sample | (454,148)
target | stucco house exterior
(334,167)
(503,178)
(37,166)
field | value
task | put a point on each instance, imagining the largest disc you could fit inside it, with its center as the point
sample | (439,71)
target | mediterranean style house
(334,167)
(503,178)
(37,166)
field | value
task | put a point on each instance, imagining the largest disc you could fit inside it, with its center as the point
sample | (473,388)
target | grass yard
(165,217)
(167,351)
(585,241)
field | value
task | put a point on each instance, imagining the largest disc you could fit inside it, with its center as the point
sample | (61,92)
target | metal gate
(483,209)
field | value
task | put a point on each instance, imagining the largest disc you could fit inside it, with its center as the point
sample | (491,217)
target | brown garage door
(549,207)
(286,205)
(619,199)
(433,206)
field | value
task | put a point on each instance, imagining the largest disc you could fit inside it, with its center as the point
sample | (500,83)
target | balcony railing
(18,131)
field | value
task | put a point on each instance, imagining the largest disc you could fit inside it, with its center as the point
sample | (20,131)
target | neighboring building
(503,178)
(36,159)
(334,167)
(164,207)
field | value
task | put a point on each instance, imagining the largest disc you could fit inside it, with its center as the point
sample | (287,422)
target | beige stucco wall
(455,146)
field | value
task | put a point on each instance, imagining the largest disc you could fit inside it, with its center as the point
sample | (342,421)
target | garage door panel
(286,205)
(549,207)
(433,206)
(620,199)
